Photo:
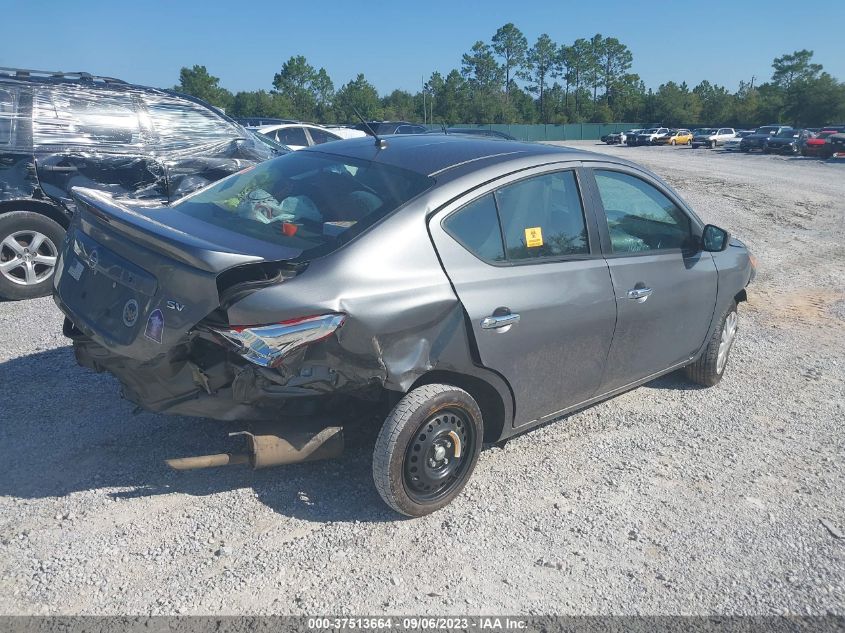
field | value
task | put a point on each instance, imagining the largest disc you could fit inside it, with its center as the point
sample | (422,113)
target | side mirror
(714,239)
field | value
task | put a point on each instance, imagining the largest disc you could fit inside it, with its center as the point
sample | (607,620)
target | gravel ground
(668,499)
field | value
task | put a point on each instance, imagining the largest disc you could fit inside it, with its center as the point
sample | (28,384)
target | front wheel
(427,449)
(710,367)
(29,249)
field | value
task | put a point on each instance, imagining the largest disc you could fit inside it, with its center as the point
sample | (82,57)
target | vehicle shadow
(66,429)
(675,381)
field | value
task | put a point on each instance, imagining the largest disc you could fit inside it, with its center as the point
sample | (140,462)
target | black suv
(61,130)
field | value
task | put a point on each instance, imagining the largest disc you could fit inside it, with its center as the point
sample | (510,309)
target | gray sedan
(469,289)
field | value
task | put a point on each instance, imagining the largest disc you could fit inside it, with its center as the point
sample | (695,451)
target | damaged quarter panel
(403,318)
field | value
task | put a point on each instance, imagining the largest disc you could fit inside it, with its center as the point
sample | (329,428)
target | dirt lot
(668,499)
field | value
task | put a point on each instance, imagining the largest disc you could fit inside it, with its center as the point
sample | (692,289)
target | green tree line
(506,80)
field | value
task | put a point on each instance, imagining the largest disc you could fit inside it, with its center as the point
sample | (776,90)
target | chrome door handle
(639,294)
(494,322)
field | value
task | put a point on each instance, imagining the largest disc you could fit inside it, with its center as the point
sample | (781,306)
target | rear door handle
(494,322)
(639,294)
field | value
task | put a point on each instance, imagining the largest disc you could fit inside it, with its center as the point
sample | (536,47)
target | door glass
(292,136)
(639,217)
(180,123)
(476,227)
(543,217)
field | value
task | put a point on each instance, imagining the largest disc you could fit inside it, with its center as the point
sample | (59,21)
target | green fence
(551,132)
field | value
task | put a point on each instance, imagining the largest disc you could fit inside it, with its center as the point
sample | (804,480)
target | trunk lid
(138,285)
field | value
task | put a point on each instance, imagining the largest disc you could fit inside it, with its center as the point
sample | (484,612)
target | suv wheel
(427,449)
(29,249)
(710,367)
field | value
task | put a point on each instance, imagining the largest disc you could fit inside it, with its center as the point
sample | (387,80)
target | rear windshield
(305,200)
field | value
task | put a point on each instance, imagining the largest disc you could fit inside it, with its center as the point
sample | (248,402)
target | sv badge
(174,305)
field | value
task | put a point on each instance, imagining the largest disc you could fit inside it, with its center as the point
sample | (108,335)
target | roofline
(26,73)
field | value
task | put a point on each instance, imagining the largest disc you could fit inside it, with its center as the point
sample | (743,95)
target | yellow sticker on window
(533,236)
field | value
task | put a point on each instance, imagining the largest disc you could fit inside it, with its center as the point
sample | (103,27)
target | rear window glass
(304,200)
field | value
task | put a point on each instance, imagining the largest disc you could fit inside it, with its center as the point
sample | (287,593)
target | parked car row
(769,139)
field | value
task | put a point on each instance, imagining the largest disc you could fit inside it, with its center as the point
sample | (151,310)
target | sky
(395,44)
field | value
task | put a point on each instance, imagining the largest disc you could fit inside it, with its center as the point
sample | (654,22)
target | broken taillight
(267,345)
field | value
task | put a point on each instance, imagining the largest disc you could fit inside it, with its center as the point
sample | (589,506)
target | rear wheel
(672,142)
(427,449)
(29,249)
(710,367)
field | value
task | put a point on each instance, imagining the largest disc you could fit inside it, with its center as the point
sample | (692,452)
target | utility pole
(425,113)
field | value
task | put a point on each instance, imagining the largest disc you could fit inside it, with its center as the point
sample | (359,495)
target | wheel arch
(489,401)
(741,296)
(46,209)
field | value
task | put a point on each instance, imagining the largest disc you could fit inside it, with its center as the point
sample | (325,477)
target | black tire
(409,472)
(707,370)
(32,278)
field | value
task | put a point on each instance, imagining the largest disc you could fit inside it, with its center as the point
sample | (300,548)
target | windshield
(306,201)
(651,131)
(768,130)
(707,130)
(787,134)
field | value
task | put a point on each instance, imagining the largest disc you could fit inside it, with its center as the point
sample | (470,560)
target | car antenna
(380,142)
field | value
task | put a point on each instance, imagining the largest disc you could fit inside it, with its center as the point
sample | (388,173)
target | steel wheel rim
(728,335)
(438,455)
(27,257)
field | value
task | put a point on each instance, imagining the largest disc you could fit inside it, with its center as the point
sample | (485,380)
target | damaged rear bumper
(204,379)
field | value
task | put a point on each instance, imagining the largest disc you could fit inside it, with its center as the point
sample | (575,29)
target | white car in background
(732,144)
(300,135)
(345,132)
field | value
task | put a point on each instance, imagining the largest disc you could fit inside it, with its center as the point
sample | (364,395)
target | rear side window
(639,216)
(8,110)
(543,217)
(70,115)
(476,227)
